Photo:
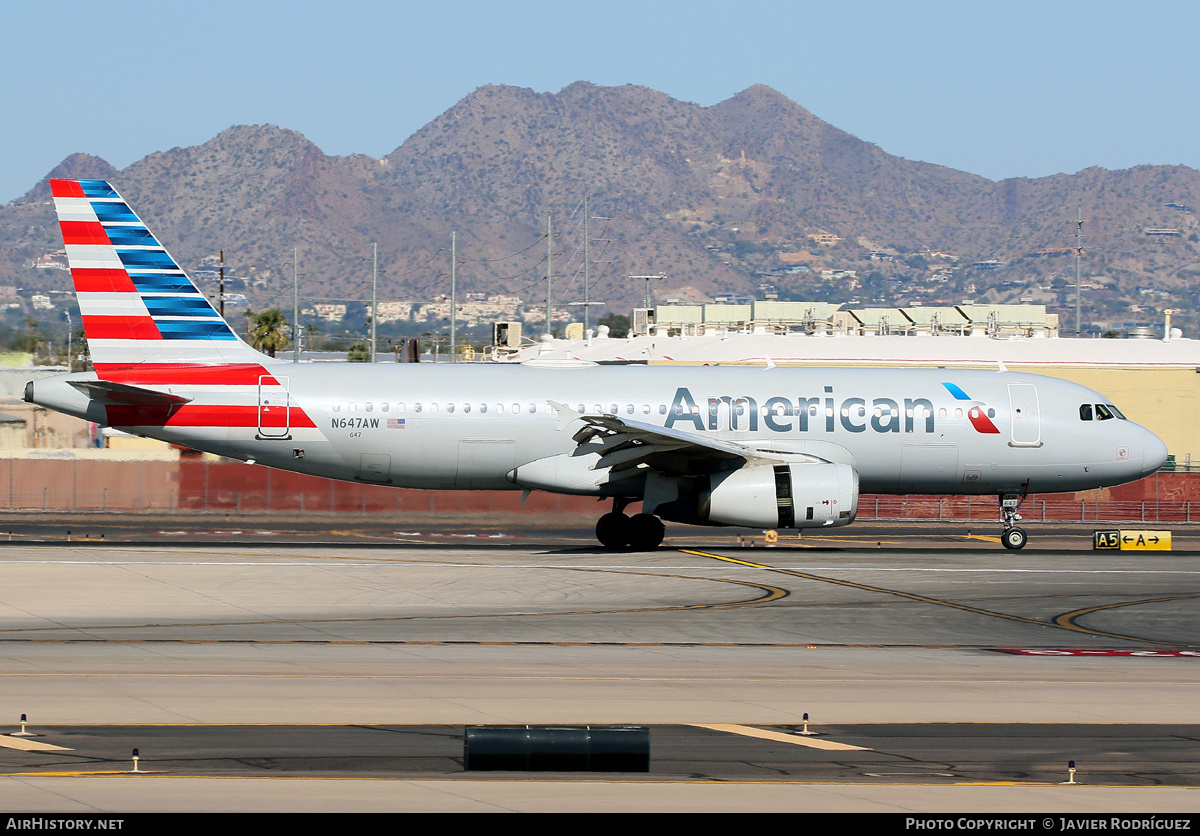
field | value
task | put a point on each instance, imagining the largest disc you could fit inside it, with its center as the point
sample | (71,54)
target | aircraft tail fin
(137,304)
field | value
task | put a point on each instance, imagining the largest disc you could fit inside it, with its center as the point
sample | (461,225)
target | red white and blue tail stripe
(138,306)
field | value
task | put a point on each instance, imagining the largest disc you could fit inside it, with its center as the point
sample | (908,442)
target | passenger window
(1085,412)
(337,407)
(662,409)
(500,408)
(612,408)
(645,409)
(483,407)
(516,408)
(354,407)
(579,409)
(370,406)
(449,407)
(532,408)
(1102,413)
(400,406)
(958,413)
(383,407)
(416,407)
(433,408)
(991,413)
(466,407)
(628,409)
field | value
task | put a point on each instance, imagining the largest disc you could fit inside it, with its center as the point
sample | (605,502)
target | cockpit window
(1116,412)
(1085,412)
(1102,413)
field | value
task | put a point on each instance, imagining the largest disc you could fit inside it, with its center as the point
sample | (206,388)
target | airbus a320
(769,448)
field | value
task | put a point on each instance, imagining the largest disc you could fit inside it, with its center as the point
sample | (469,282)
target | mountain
(719,199)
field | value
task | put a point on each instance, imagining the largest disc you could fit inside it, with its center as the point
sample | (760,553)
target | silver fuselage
(475,426)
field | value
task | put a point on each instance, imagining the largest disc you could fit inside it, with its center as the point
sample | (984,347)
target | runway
(895,641)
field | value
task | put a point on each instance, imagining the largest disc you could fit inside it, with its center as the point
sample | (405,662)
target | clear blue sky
(998,89)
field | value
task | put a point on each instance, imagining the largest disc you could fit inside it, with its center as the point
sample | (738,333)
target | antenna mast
(295,305)
(453,296)
(1078,256)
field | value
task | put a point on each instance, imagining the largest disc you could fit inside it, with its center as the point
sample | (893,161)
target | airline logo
(129,286)
(137,304)
(978,414)
(856,415)
(147,324)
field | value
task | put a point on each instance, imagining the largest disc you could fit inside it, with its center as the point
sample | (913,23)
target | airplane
(769,448)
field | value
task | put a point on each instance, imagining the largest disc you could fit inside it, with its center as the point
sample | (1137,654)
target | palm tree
(268,330)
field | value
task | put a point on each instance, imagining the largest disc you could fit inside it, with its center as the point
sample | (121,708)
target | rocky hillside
(754,190)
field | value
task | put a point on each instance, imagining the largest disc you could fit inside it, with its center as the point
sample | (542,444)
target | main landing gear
(641,532)
(1012,537)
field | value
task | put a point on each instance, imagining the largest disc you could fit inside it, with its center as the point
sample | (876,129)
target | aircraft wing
(625,444)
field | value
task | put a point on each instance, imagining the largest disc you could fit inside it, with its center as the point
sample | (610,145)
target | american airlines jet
(771,448)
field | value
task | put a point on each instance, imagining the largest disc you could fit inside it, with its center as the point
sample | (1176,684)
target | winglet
(770,362)
(1000,363)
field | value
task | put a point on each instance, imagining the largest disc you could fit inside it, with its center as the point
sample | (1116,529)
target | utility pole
(222,290)
(549,271)
(660,277)
(295,305)
(586,299)
(1078,256)
(374,294)
(453,295)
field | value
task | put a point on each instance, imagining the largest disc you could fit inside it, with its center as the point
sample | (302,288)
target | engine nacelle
(807,495)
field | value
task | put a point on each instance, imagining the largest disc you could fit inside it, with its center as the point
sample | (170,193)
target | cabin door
(1026,417)
(274,407)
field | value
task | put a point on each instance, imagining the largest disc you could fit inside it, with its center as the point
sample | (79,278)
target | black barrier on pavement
(557,748)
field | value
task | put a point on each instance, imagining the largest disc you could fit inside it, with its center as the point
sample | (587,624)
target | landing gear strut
(641,532)
(1012,537)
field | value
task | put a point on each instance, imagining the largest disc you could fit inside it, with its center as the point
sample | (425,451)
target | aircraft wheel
(1013,538)
(612,530)
(646,532)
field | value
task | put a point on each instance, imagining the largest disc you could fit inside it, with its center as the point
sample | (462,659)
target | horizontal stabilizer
(108,392)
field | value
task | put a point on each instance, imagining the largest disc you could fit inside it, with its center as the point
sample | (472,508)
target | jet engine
(807,495)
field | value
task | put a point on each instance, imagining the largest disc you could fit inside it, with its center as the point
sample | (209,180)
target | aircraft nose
(1154,453)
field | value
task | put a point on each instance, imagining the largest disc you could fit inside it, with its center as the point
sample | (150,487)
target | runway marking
(780,737)
(925,599)
(27,745)
(1068,620)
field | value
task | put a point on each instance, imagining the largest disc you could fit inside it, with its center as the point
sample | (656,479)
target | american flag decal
(395,423)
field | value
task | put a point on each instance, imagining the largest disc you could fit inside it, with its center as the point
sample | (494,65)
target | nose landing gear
(1012,537)
(641,532)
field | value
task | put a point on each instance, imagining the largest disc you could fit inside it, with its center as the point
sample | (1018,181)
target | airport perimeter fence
(1050,507)
(66,483)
